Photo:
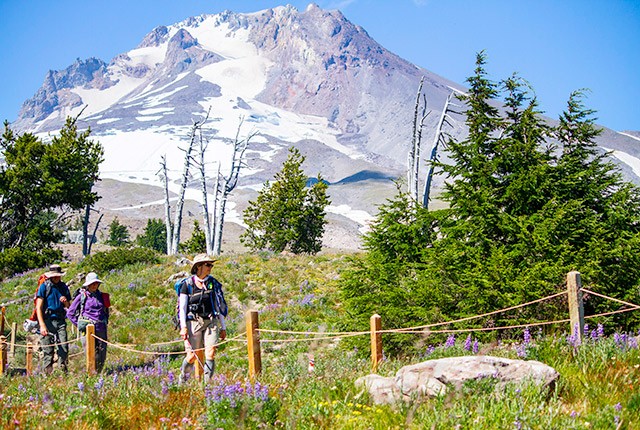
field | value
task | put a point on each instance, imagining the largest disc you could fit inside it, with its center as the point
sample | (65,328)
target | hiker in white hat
(91,306)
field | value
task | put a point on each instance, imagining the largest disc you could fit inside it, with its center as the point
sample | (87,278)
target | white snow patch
(150,55)
(630,160)
(107,120)
(156,110)
(629,135)
(361,217)
(219,38)
(247,76)
(98,100)
(149,118)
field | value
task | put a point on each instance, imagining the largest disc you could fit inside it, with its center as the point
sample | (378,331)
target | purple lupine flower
(171,377)
(521,350)
(517,424)
(98,386)
(467,343)
(165,388)
(574,414)
(136,378)
(115,379)
(430,349)
(21,387)
(633,343)
(594,334)
(475,346)
(618,407)
(81,386)
(600,330)
(527,336)
(451,341)
(586,330)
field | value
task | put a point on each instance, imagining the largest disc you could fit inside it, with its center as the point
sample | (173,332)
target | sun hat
(54,270)
(198,260)
(90,279)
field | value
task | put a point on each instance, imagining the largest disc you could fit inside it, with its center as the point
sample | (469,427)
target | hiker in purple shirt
(91,306)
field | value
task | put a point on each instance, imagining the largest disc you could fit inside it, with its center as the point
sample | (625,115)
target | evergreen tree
(197,243)
(527,204)
(118,234)
(287,215)
(40,187)
(154,236)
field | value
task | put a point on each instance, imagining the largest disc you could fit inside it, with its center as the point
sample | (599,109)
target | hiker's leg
(185,370)
(101,350)
(47,350)
(211,337)
(63,347)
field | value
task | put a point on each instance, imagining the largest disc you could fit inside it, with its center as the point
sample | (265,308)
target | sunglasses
(208,264)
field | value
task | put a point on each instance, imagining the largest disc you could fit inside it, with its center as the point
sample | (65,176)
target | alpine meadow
(504,295)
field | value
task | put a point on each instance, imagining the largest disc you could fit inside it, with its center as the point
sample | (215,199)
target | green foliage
(119,258)
(197,243)
(42,183)
(118,234)
(16,260)
(286,215)
(154,236)
(522,214)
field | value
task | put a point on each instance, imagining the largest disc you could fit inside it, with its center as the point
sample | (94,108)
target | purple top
(94,310)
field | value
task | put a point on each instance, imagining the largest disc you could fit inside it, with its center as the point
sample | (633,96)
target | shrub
(16,260)
(118,258)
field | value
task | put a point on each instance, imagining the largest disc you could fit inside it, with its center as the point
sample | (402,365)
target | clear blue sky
(557,45)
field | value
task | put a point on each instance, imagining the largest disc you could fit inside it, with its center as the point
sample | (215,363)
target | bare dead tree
(228,183)
(167,205)
(413,162)
(440,137)
(87,240)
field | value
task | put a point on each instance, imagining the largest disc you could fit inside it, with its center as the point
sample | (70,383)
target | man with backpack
(202,310)
(52,299)
(91,306)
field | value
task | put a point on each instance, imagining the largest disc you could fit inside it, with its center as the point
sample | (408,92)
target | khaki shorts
(203,333)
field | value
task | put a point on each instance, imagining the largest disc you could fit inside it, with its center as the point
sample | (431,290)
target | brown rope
(611,298)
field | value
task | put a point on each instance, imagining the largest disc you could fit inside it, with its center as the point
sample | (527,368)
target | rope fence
(252,336)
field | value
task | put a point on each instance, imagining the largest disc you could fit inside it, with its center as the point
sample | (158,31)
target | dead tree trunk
(228,184)
(177,224)
(167,205)
(413,162)
(95,229)
(438,138)
(206,219)
(85,230)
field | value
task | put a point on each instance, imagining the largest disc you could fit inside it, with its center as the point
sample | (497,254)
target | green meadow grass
(599,386)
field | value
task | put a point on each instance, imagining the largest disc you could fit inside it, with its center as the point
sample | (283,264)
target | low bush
(119,258)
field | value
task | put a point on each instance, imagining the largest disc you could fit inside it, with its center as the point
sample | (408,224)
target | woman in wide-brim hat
(202,311)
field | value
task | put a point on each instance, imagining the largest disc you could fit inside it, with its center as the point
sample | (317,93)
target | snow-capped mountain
(306,78)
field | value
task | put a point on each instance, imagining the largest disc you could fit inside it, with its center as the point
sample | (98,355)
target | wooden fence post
(2,321)
(253,344)
(29,359)
(376,341)
(90,343)
(576,311)
(3,355)
(199,364)
(14,330)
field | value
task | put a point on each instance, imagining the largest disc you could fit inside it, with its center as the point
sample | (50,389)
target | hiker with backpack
(91,306)
(201,313)
(52,299)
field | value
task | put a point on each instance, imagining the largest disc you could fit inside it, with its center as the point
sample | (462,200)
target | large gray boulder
(434,377)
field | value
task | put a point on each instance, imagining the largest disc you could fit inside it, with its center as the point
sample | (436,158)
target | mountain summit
(306,78)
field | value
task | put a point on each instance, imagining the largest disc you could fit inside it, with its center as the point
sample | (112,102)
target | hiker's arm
(66,299)
(40,314)
(182,314)
(71,312)
(223,327)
